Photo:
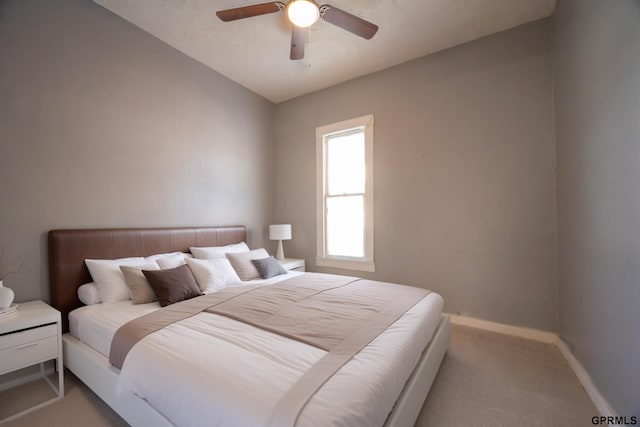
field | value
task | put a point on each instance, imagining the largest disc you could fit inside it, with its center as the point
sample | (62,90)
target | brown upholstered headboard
(69,248)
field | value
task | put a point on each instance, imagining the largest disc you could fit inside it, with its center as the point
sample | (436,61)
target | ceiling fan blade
(347,21)
(298,40)
(249,11)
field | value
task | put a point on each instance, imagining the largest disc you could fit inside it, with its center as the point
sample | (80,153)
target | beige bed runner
(338,314)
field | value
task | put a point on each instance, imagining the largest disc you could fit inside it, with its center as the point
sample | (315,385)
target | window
(345,194)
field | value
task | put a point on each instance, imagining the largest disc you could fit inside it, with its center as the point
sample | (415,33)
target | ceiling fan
(303,14)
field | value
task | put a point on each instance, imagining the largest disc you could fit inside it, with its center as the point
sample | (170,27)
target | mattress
(96,324)
(233,374)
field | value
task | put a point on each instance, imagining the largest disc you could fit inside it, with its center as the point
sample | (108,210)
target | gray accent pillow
(268,267)
(173,285)
(139,288)
(241,263)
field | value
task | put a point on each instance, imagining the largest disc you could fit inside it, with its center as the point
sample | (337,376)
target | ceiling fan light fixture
(303,13)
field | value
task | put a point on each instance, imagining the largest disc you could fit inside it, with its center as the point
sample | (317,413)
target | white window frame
(323,259)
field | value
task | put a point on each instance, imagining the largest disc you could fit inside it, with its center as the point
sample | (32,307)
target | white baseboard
(598,399)
(517,331)
(585,379)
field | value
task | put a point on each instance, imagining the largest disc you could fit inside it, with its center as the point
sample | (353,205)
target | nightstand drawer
(292,264)
(30,335)
(28,354)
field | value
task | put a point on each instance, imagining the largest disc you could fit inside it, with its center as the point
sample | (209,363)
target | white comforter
(209,370)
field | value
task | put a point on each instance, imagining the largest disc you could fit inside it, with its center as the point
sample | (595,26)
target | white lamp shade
(280,232)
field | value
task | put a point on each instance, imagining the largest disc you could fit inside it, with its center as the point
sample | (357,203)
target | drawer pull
(22,347)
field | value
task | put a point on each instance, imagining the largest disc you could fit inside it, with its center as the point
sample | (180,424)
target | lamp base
(280,254)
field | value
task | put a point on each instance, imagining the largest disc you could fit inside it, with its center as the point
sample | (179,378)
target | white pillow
(213,274)
(88,294)
(158,256)
(172,261)
(211,252)
(242,264)
(109,279)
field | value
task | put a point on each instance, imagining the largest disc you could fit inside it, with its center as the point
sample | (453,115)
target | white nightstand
(292,264)
(32,335)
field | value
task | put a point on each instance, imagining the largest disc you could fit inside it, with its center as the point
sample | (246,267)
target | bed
(139,405)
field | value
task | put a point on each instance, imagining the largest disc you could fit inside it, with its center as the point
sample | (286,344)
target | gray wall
(102,125)
(464,174)
(597,115)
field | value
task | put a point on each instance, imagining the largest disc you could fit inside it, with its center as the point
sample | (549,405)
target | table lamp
(280,232)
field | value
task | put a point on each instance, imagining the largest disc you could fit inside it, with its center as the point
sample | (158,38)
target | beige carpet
(493,380)
(486,379)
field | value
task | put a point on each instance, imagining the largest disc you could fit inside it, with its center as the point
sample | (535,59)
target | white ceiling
(255,51)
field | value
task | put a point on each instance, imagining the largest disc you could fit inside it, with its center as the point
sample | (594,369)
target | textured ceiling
(255,51)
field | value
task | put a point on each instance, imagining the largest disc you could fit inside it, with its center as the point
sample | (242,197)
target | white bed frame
(68,250)
(97,373)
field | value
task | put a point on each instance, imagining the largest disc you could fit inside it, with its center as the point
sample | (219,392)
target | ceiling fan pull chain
(308,53)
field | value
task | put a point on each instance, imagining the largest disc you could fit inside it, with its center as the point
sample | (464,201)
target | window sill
(346,264)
